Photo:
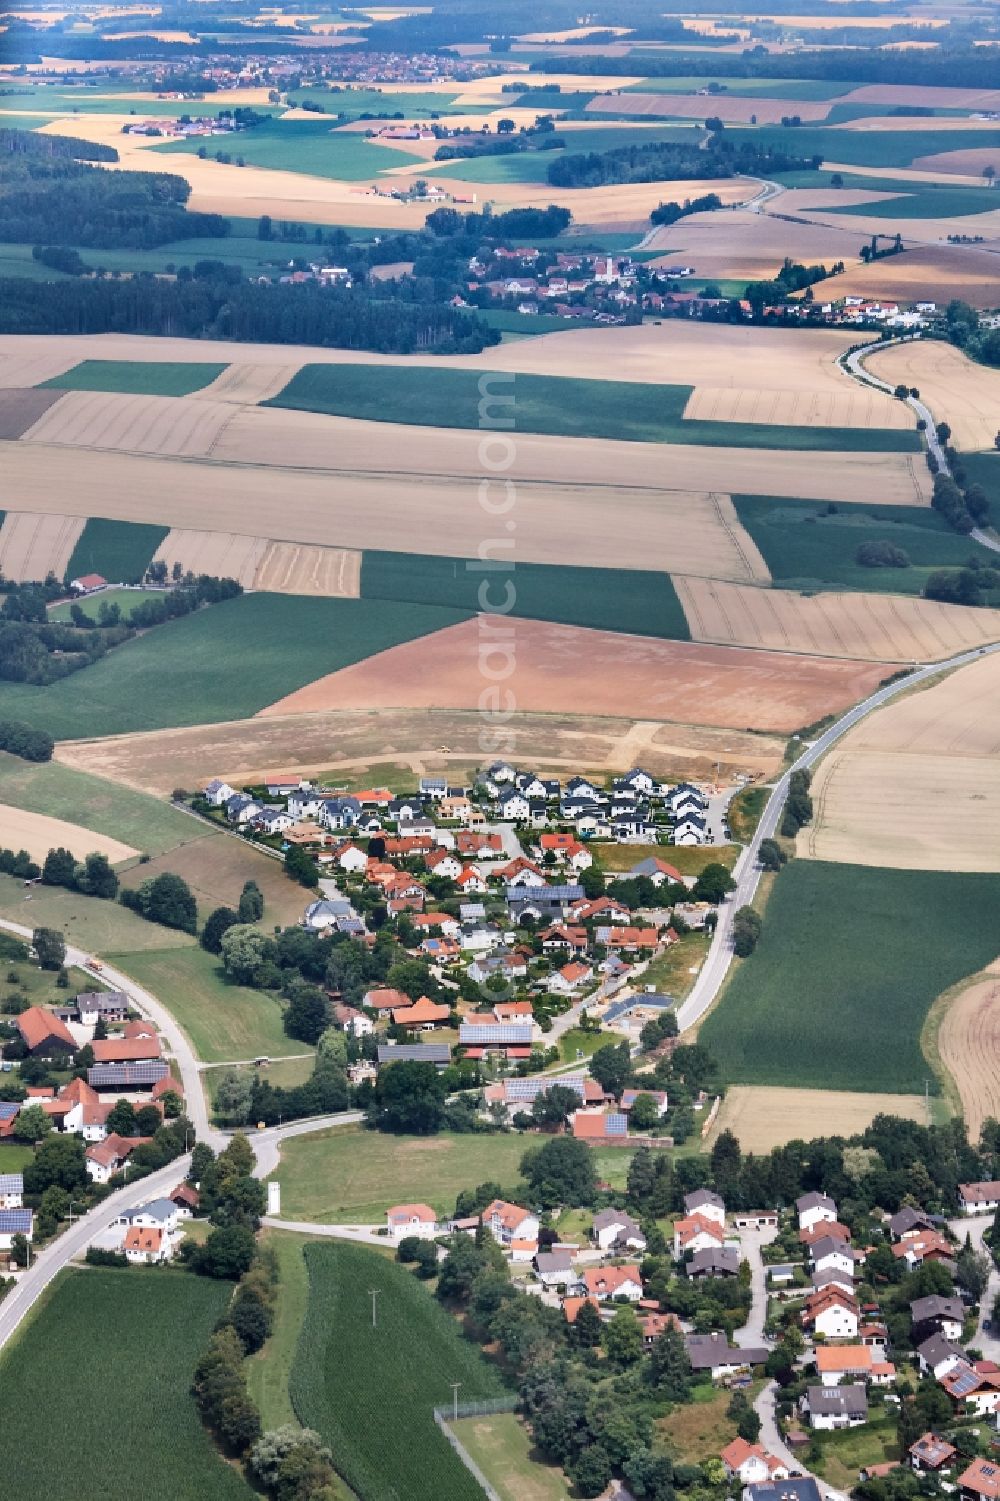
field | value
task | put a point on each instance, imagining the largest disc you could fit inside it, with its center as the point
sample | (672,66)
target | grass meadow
(125,599)
(348,1175)
(607,599)
(807,547)
(144,822)
(558,405)
(357,1386)
(120,551)
(850,960)
(225,1022)
(501,1446)
(862,148)
(97,1394)
(183,673)
(314,147)
(97,926)
(136,377)
(521,166)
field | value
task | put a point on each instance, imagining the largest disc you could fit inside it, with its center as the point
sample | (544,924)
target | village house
(750,1463)
(707,1204)
(926,1245)
(979,1198)
(43,1034)
(721,1261)
(974,1388)
(832,1313)
(570,978)
(714,1354)
(423,1015)
(404,1220)
(146,1245)
(438,1053)
(812,1208)
(937,1315)
(937,1356)
(606,1283)
(980,1481)
(829,1254)
(11,1190)
(830,1407)
(613,1230)
(107,1157)
(834,1362)
(509,1224)
(15,1222)
(696,1233)
(908,1221)
(929,1452)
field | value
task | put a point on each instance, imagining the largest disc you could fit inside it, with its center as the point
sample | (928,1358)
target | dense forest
(672,161)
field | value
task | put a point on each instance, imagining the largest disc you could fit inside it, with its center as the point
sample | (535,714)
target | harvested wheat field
(854,406)
(246,383)
(677,352)
(916,786)
(38,834)
(969,1047)
(969,163)
(936,97)
(688,530)
(35,545)
(728,107)
(427,740)
(762,1118)
(221,554)
(21,408)
(936,272)
(288,568)
(560,669)
(175,426)
(957,391)
(871,627)
(29,363)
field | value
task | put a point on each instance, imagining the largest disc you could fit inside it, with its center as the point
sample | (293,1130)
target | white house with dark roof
(706,1203)
(814,1208)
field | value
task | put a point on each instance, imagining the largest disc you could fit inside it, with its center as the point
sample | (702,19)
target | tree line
(672,160)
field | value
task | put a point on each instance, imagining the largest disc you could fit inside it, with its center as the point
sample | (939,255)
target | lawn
(845,972)
(283,1072)
(14,1155)
(120,551)
(122,1343)
(348,1175)
(501,1446)
(315,147)
(845,1454)
(125,599)
(608,599)
(700,1428)
(224,1022)
(108,808)
(576,1045)
(370,1403)
(97,926)
(177,674)
(690,860)
(812,545)
(675,970)
(559,405)
(136,377)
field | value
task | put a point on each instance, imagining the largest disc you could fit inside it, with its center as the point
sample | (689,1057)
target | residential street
(975,1226)
(751,1242)
(772,1441)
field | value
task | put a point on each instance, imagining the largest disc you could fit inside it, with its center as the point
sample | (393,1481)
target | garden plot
(33,545)
(874,627)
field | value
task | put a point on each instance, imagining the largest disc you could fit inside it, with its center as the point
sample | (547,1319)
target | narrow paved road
(361,1234)
(747,871)
(752,1332)
(975,1226)
(771,1440)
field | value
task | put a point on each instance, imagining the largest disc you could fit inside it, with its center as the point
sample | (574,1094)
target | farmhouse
(424,1015)
(43,1034)
(601,1126)
(11,1190)
(130,1076)
(126,1049)
(438,1053)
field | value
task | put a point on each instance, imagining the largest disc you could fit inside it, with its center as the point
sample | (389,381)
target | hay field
(287,568)
(968,1044)
(247,382)
(872,627)
(959,392)
(562,669)
(175,426)
(221,554)
(675,352)
(426,740)
(38,834)
(729,107)
(764,1117)
(33,545)
(936,272)
(686,530)
(20,408)
(852,407)
(916,786)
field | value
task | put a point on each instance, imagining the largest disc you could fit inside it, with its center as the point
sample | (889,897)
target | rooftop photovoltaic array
(148,1072)
(496,1032)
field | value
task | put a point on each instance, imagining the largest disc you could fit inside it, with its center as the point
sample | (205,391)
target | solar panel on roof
(15,1221)
(8,1110)
(964,1382)
(616,1125)
(149,1071)
(496,1032)
(11,1183)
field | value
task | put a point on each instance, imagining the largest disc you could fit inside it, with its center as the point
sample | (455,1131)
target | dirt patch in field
(854,406)
(969,1047)
(873,627)
(174,426)
(964,394)
(763,1118)
(287,568)
(565,668)
(916,786)
(34,545)
(728,107)
(38,834)
(21,408)
(935,272)
(247,383)
(431,742)
(221,554)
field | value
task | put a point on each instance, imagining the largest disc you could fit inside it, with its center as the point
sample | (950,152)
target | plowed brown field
(34,545)
(874,627)
(565,669)
(21,408)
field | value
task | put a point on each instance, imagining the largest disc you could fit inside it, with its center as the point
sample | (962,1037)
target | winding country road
(747,871)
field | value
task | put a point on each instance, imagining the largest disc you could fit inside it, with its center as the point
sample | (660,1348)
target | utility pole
(374,1294)
(454,1400)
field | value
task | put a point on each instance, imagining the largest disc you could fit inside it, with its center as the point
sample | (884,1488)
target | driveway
(976,1226)
(752,1332)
